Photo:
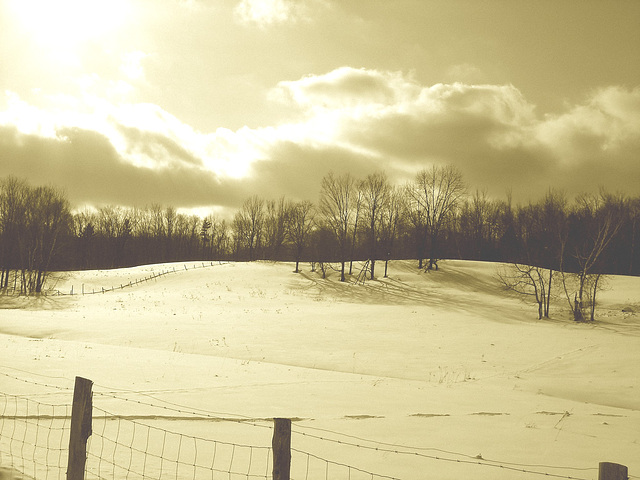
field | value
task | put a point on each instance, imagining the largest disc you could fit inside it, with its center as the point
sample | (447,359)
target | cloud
(265,13)
(131,65)
(348,87)
(91,171)
(349,120)
(491,132)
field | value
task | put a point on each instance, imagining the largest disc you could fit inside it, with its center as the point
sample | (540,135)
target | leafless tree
(48,220)
(248,225)
(634,224)
(436,193)
(275,226)
(114,225)
(14,195)
(375,190)
(415,215)
(390,218)
(596,221)
(337,201)
(214,235)
(541,228)
(357,207)
(528,280)
(299,226)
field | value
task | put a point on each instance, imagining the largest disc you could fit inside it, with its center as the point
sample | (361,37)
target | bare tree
(48,220)
(114,226)
(299,226)
(634,224)
(436,193)
(541,227)
(594,223)
(390,218)
(169,224)
(415,214)
(337,199)
(375,190)
(84,230)
(248,225)
(14,195)
(357,207)
(205,237)
(275,226)
(214,235)
(527,280)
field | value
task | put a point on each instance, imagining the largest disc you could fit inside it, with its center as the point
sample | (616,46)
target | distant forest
(435,216)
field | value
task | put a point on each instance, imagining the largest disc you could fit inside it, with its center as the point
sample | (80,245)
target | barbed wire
(170,407)
(199,414)
(192,412)
(349,468)
(33,382)
(478,459)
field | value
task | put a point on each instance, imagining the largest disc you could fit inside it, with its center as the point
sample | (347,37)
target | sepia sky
(199,104)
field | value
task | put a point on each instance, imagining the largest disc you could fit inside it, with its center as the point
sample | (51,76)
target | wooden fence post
(281,445)
(80,428)
(612,471)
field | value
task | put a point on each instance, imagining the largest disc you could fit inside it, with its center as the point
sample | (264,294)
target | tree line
(433,216)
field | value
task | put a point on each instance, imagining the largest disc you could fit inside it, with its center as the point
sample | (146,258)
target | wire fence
(163,440)
(124,448)
(137,281)
(15,287)
(34,437)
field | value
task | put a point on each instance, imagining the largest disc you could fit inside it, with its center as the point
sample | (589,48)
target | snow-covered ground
(443,367)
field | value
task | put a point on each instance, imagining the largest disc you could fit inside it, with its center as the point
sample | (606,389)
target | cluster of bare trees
(552,245)
(572,246)
(33,223)
(117,236)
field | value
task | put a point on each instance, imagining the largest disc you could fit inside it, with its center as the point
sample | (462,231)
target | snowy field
(419,375)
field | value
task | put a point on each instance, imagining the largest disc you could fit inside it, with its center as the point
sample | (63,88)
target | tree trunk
(578,316)
(633,246)
(39,282)
(546,308)
(593,298)
(432,252)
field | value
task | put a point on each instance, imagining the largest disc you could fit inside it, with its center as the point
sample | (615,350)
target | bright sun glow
(66,24)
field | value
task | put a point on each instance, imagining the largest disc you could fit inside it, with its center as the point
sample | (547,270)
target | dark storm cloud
(350,120)
(490,132)
(157,146)
(296,170)
(91,171)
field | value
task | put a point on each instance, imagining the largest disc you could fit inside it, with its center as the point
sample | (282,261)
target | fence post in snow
(281,445)
(80,428)
(612,471)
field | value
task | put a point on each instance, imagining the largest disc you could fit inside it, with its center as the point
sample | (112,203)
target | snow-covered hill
(432,362)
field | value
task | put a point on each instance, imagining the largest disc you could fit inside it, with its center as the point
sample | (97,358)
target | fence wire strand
(418,452)
(34,440)
(33,437)
(130,449)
